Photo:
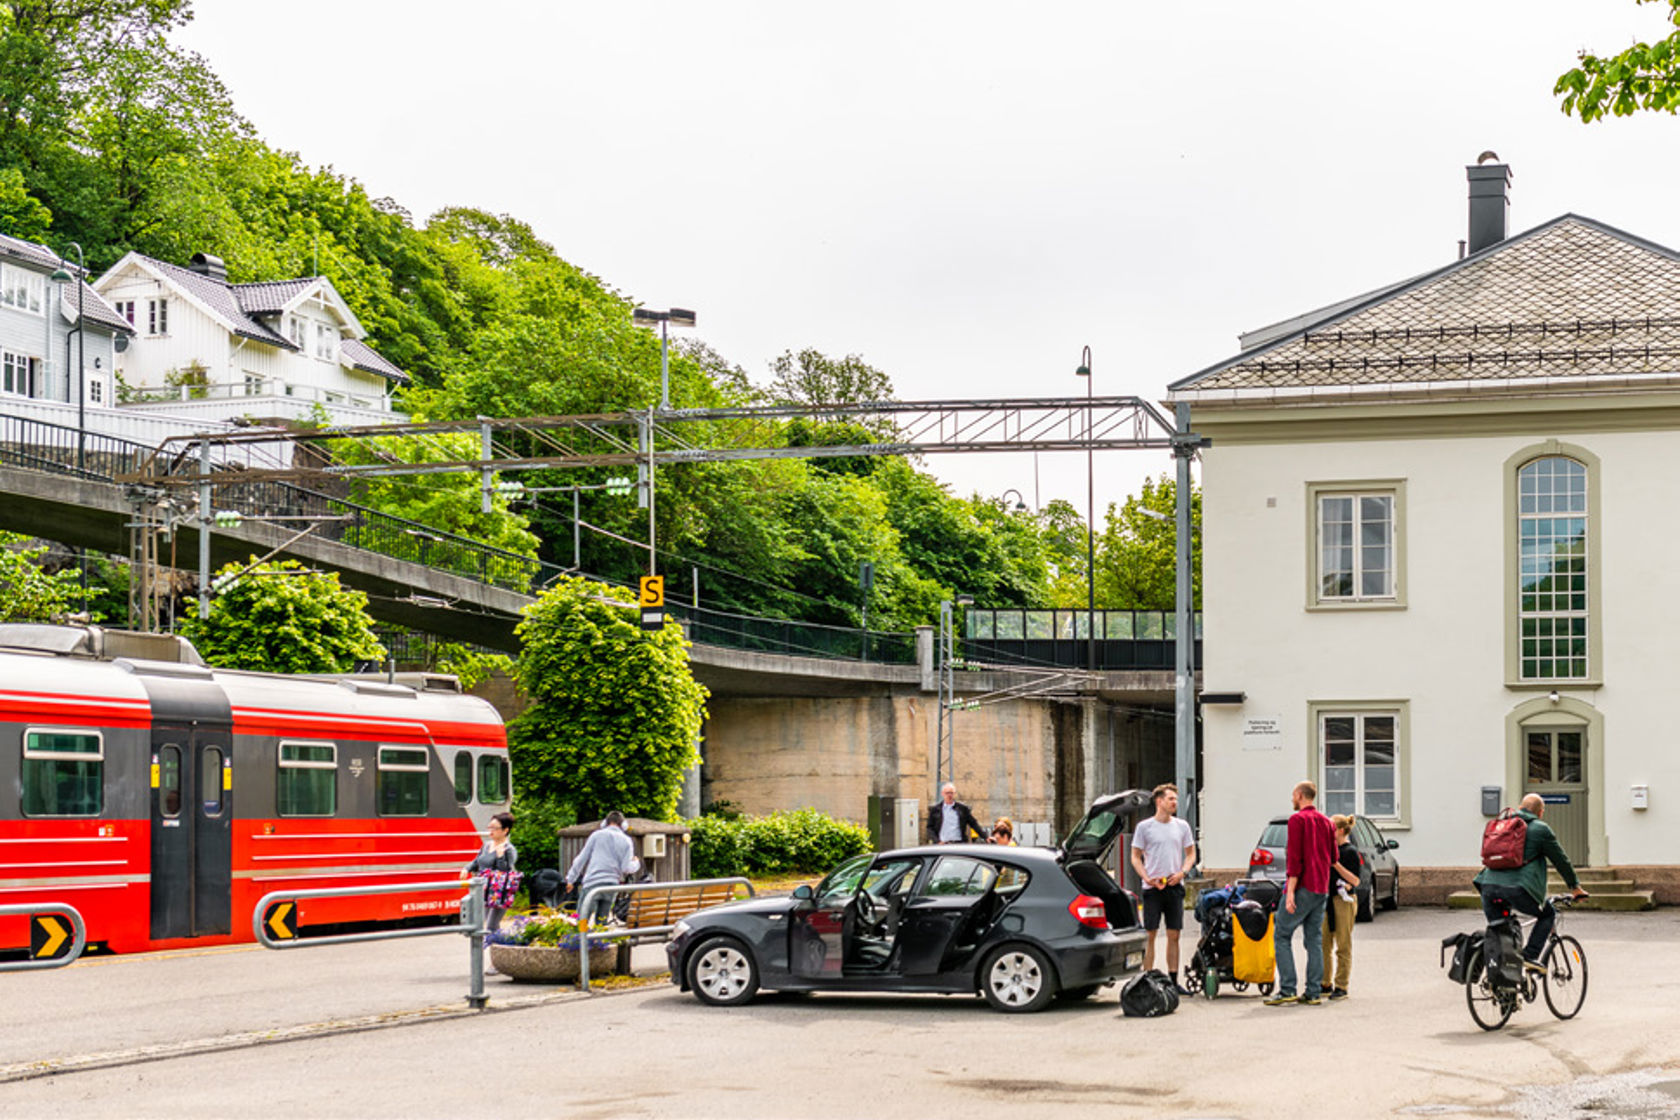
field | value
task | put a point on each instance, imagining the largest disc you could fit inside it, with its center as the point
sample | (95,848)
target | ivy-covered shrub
(800,841)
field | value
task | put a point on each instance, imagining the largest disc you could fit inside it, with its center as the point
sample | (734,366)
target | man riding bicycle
(1523,889)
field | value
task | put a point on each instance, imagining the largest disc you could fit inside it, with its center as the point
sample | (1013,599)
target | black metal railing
(1061,638)
(799,639)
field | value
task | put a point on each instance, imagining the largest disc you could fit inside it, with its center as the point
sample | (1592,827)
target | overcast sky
(964,194)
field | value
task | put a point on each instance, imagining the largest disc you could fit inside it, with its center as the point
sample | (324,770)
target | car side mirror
(803,892)
(1393,844)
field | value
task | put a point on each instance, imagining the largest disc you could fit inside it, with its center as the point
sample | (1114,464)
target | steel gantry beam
(673,436)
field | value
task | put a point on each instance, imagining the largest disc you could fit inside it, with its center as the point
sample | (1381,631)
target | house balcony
(268,400)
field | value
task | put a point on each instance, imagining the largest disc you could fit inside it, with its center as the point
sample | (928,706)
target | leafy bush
(800,841)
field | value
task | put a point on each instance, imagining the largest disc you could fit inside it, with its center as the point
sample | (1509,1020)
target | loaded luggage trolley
(1235,946)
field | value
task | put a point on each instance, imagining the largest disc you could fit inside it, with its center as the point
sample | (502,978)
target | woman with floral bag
(495,862)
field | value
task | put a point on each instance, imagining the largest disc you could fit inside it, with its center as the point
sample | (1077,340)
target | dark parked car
(1379,871)
(1019,925)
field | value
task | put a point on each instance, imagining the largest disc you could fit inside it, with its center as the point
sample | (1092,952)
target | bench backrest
(667,907)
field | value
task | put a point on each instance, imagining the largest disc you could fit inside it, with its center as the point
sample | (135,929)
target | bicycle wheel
(1565,980)
(1486,1007)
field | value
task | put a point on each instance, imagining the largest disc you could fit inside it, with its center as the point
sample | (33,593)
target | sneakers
(1311,1001)
(1338,993)
(1280,1001)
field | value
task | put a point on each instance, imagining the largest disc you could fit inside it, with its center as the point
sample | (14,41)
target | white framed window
(326,342)
(125,308)
(295,330)
(22,289)
(96,390)
(1553,569)
(19,374)
(253,384)
(1361,762)
(1356,546)
(157,316)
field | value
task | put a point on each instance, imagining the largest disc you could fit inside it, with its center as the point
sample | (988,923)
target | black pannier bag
(1148,995)
(1465,947)
(1501,948)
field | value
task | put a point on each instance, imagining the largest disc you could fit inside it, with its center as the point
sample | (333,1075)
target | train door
(192,809)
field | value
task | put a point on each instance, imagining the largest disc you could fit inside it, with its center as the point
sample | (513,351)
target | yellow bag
(1253,961)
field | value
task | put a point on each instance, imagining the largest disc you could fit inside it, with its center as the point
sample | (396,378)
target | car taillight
(1088,910)
(1260,856)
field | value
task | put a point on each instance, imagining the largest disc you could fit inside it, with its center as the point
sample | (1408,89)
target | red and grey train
(162,798)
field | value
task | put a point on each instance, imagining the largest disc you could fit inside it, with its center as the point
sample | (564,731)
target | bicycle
(1563,979)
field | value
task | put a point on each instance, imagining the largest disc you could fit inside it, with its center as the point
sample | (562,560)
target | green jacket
(1540,846)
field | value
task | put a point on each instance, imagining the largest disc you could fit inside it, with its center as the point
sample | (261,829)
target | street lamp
(675,317)
(1020,502)
(62,275)
(1084,371)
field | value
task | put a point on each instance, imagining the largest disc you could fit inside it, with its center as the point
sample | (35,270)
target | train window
(492,779)
(308,780)
(403,774)
(169,779)
(210,781)
(63,773)
(463,776)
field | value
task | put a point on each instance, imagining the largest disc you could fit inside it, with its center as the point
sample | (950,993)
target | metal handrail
(78,930)
(638,888)
(471,924)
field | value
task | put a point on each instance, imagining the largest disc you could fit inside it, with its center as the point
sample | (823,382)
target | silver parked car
(1379,871)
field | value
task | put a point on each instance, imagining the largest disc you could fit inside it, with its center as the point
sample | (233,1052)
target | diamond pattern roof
(1573,298)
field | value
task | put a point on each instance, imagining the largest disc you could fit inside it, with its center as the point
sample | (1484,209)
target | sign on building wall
(1262,733)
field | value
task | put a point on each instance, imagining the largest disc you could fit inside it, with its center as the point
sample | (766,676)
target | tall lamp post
(1020,502)
(676,317)
(63,275)
(1084,371)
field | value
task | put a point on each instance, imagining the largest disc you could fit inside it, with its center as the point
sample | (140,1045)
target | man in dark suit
(950,821)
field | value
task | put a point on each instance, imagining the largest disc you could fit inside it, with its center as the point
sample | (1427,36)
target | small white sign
(1262,733)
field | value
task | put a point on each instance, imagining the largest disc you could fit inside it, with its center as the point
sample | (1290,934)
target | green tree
(21,214)
(281,618)
(614,711)
(1645,76)
(812,377)
(1136,558)
(28,593)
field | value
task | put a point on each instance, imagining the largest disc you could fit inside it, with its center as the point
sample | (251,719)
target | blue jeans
(1309,919)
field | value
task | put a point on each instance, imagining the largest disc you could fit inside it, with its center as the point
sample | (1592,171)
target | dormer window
(295,331)
(22,289)
(326,342)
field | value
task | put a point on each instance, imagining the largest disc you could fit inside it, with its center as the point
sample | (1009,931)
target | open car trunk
(1089,842)
(1090,878)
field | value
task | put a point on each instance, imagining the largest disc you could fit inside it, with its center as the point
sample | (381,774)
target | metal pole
(653,548)
(204,530)
(1184,708)
(1090,528)
(81,363)
(577,534)
(664,368)
(476,999)
(944,697)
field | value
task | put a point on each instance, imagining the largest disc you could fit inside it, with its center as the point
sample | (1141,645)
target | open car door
(948,916)
(816,929)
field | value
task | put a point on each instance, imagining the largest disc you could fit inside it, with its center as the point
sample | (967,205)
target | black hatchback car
(1022,926)
(1379,871)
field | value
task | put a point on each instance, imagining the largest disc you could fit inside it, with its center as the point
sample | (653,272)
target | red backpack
(1503,841)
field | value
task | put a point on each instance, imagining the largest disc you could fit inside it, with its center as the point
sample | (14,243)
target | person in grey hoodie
(607,857)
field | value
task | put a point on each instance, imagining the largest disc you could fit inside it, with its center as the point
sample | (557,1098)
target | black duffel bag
(1465,948)
(1149,994)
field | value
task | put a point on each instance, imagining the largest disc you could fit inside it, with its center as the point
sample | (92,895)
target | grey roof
(270,297)
(219,296)
(364,357)
(94,307)
(1573,300)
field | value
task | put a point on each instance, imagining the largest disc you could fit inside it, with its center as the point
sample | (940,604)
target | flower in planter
(551,929)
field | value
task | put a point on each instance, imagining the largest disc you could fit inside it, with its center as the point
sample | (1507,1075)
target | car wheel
(1392,902)
(1017,978)
(1366,902)
(1084,991)
(722,972)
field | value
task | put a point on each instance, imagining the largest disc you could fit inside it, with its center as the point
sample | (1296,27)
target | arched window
(1554,570)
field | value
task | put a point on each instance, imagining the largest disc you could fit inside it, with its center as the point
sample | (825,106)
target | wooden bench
(653,912)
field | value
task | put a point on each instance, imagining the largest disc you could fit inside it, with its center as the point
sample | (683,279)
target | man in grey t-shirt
(1163,852)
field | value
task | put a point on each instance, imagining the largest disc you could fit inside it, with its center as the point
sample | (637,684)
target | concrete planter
(545,964)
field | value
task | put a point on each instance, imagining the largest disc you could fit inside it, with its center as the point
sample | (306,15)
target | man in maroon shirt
(1307,858)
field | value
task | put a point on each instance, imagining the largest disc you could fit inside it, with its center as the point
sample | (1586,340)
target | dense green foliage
(28,592)
(614,713)
(802,841)
(1643,77)
(282,618)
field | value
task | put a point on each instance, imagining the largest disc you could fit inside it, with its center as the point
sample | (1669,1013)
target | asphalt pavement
(371,1032)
